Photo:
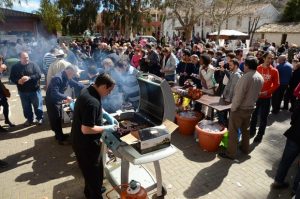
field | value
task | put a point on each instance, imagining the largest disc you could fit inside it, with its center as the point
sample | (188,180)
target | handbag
(5,91)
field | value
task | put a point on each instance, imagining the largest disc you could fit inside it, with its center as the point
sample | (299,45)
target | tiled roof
(15,13)
(280,28)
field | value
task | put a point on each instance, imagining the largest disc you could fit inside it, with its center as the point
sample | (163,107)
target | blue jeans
(262,109)
(290,153)
(170,77)
(34,99)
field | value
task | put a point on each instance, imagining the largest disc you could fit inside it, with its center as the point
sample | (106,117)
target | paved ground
(42,169)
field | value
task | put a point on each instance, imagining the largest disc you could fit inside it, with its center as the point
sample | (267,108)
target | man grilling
(55,97)
(87,128)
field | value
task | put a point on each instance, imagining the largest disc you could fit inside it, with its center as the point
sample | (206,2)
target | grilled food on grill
(127,126)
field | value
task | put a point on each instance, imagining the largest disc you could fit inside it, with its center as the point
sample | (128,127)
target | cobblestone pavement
(39,168)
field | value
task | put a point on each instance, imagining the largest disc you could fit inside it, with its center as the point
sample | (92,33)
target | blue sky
(30,6)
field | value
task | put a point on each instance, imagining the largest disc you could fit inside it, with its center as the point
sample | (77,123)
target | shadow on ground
(50,161)
(290,177)
(69,189)
(190,148)
(21,131)
(73,189)
(282,116)
(275,143)
(208,179)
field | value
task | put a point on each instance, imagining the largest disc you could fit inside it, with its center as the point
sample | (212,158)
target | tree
(221,10)
(8,4)
(78,15)
(50,15)
(188,13)
(291,11)
(128,14)
(253,27)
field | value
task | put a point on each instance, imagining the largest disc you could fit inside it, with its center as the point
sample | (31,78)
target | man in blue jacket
(285,70)
(55,97)
(26,75)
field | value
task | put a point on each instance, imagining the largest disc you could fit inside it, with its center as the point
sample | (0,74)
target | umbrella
(229,34)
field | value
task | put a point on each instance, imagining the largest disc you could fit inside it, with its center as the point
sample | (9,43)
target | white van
(150,39)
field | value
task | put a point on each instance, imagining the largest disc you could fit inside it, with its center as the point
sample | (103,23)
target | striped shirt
(47,60)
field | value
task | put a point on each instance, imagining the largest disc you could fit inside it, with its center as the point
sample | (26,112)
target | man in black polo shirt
(87,128)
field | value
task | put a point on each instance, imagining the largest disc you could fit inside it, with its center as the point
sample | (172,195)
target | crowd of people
(253,83)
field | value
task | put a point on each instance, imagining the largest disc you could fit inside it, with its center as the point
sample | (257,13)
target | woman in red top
(263,104)
(135,60)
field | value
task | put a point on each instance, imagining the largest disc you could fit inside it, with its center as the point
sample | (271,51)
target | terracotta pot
(209,141)
(187,120)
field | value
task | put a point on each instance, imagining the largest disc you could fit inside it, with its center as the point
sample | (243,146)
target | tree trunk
(188,33)
(218,36)
(127,26)
(253,29)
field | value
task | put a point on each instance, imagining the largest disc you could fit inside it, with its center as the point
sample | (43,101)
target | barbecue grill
(155,106)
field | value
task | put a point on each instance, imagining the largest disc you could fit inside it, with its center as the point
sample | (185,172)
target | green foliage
(78,15)
(291,11)
(129,14)
(8,4)
(50,15)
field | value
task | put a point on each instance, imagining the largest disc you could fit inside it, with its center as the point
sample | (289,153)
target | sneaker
(277,185)
(3,164)
(258,138)
(9,124)
(40,122)
(103,189)
(28,123)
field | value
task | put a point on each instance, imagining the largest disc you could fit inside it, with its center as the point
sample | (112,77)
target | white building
(241,22)
(279,33)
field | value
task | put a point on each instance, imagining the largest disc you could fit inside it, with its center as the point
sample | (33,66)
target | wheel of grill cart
(164,192)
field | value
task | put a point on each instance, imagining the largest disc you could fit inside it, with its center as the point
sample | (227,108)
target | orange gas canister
(134,191)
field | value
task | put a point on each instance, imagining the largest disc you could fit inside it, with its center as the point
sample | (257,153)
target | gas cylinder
(134,191)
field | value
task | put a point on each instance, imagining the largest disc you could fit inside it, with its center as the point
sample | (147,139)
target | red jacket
(271,80)
(297,91)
